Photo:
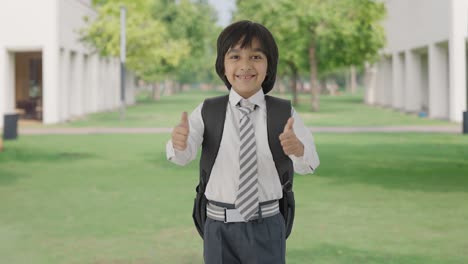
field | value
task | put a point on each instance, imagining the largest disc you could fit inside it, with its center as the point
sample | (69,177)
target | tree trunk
(281,88)
(322,86)
(314,88)
(168,87)
(178,86)
(293,83)
(353,80)
(348,81)
(156,91)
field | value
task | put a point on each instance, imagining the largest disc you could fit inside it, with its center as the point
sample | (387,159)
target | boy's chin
(246,92)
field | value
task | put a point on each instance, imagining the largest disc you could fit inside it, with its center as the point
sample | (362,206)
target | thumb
(184,120)
(289,125)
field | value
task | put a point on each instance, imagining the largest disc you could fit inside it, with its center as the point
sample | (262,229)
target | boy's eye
(234,57)
(257,57)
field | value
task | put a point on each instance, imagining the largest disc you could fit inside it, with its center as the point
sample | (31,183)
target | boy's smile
(245,68)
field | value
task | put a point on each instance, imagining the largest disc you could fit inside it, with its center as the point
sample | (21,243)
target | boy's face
(246,68)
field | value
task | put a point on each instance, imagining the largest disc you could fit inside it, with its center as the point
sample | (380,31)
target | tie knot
(246,107)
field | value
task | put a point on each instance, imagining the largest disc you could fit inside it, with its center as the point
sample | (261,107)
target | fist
(180,133)
(290,143)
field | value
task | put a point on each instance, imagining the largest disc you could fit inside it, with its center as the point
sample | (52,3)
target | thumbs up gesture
(180,133)
(290,143)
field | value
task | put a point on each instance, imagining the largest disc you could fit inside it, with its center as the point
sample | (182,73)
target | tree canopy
(164,37)
(177,38)
(320,36)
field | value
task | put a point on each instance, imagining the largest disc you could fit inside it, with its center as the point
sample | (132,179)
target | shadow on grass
(8,176)
(36,155)
(15,157)
(334,254)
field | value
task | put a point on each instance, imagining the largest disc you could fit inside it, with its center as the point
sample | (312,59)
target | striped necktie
(247,194)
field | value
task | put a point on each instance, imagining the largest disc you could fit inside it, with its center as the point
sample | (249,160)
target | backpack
(214,115)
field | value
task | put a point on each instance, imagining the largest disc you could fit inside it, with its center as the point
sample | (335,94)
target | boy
(243,186)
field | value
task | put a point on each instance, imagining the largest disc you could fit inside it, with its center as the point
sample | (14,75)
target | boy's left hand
(291,144)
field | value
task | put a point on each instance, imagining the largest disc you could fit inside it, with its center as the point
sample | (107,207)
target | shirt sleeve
(196,129)
(310,161)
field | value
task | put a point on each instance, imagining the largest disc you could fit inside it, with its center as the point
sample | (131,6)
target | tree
(329,34)
(149,45)
(277,17)
(341,33)
(195,22)
(166,39)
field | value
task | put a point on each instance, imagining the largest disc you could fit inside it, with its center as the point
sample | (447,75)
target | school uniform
(252,241)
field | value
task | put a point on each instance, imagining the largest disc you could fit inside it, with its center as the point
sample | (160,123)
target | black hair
(246,31)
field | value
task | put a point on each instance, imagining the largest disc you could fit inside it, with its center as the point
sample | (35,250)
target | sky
(224,8)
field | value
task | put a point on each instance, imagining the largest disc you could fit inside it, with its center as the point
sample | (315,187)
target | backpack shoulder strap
(213,114)
(278,113)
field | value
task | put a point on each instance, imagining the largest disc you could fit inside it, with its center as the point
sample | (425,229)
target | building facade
(46,73)
(423,67)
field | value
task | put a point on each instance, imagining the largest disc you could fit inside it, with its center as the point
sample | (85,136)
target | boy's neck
(247,95)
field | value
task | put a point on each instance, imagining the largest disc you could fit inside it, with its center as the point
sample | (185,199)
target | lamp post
(123,12)
(465,122)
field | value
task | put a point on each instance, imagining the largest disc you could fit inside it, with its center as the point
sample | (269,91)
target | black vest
(214,115)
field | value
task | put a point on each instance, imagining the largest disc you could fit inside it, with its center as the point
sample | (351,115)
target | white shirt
(224,178)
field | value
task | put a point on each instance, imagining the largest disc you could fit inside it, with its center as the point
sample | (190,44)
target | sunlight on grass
(376,198)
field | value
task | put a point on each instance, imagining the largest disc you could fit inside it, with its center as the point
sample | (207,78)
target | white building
(423,67)
(45,72)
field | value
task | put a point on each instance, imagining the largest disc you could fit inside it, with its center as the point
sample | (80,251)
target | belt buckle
(232,216)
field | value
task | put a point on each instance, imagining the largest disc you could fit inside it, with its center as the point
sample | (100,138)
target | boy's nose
(246,66)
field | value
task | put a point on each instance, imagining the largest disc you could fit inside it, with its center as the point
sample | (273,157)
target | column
(72,85)
(85,85)
(3,82)
(7,83)
(380,82)
(78,84)
(51,77)
(398,80)
(64,107)
(94,81)
(388,82)
(438,82)
(457,60)
(370,83)
(413,89)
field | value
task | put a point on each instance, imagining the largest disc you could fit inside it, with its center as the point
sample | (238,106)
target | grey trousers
(255,242)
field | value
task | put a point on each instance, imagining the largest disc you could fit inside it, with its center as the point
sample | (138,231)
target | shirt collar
(258,98)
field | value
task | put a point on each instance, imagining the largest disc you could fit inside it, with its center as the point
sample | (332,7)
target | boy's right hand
(180,133)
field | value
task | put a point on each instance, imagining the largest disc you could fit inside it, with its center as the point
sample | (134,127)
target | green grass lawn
(344,110)
(376,198)
(349,110)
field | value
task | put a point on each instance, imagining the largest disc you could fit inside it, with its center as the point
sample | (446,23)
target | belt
(227,213)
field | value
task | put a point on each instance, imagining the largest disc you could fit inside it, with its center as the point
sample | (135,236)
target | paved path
(147,130)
